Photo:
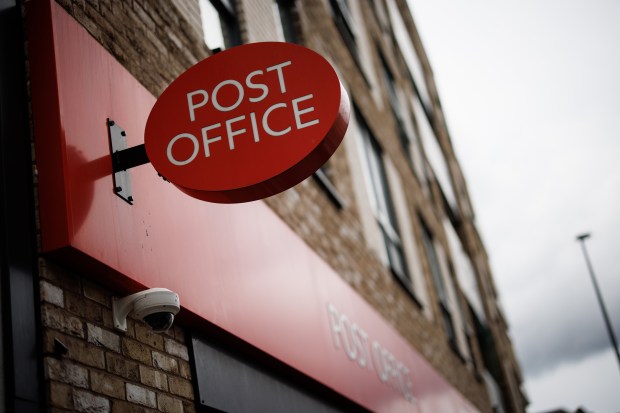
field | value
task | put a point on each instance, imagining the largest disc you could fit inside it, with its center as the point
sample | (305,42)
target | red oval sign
(247,123)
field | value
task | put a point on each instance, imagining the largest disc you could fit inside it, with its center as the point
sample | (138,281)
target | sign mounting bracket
(123,159)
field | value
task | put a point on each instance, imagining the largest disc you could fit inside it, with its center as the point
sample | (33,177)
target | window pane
(434,154)
(448,324)
(464,270)
(374,164)
(408,50)
(397,261)
(382,204)
(285,13)
(211,25)
(344,22)
(433,262)
(395,104)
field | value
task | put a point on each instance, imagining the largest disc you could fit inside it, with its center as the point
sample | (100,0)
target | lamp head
(583,236)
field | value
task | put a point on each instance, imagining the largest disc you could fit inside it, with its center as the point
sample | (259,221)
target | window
(344,21)
(381,202)
(464,269)
(286,12)
(472,343)
(322,178)
(434,154)
(440,286)
(380,14)
(389,81)
(219,24)
(402,38)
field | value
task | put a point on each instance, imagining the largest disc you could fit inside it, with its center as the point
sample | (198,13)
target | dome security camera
(155,306)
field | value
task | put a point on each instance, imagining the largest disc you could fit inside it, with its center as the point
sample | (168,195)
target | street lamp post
(612,337)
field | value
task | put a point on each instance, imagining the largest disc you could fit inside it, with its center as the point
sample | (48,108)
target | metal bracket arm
(129,158)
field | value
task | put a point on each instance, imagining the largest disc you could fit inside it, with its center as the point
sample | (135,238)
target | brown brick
(88,402)
(96,293)
(108,320)
(77,349)
(103,338)
(66,371)
(189,407)
(136,350)
(141,395)
(59,319)
(152,12)
(116,364)
(144,17)
(145,335)
(131,331)
(126,407)
(61,395)
(107,384)
(165,362)
(58,276)
(76,304)
(181,387)
(58,410)
(87,22)
(178,333)
(169,404)
(51,293)
(154,378)
(92,4)
(185,370)
(176,349)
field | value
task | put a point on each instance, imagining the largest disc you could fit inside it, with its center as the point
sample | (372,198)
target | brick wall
(156,40)
(90,367)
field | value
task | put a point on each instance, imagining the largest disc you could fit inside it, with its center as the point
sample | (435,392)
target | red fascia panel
(238,267)
(46,110)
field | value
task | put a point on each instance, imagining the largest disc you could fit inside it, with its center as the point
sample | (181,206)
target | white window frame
(214,13)
(380,198)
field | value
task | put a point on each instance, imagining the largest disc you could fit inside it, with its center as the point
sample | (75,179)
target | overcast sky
(531,91)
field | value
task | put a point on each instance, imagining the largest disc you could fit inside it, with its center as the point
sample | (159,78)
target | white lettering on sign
(246,124)
(369,354)
(266,124)
(278,68)
(216,103)
(298,112)
(174,140)
(251,85)
(205,139)
(192,106)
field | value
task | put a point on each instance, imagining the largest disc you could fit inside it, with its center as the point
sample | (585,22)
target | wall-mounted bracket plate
(122,179)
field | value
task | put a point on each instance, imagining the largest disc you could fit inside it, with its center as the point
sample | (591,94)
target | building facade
(364,288)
